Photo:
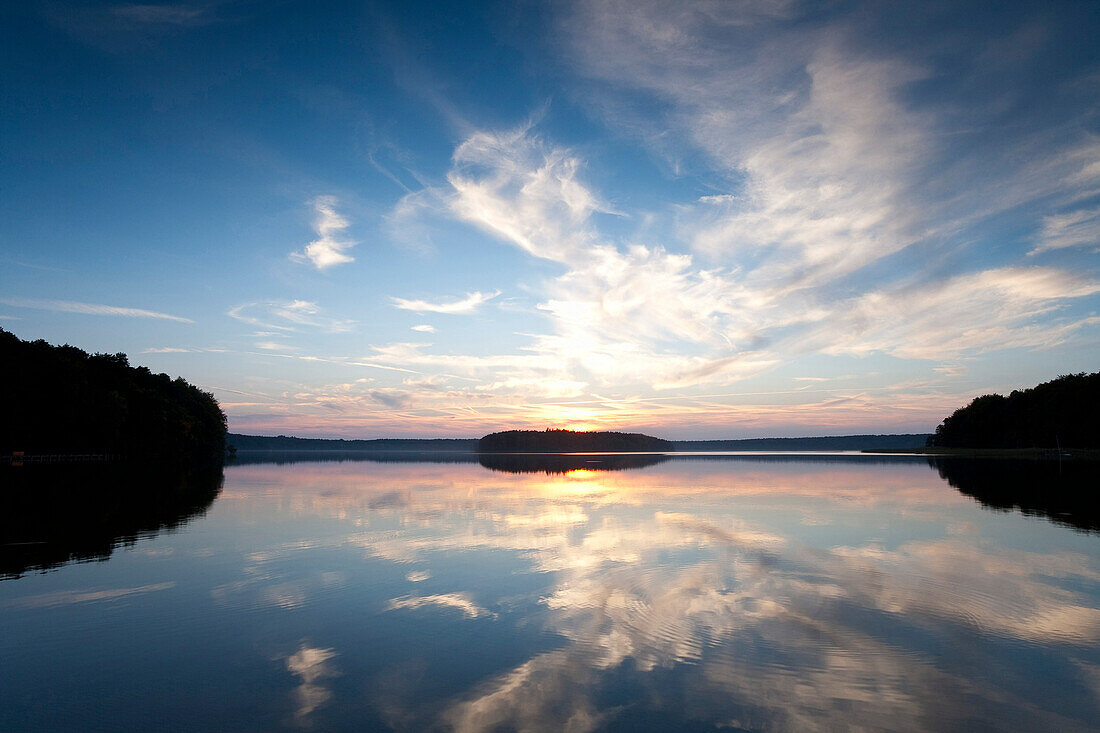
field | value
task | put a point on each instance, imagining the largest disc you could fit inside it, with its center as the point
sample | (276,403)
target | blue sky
(713,219)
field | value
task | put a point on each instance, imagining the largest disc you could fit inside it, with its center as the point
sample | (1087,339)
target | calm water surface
(754,593)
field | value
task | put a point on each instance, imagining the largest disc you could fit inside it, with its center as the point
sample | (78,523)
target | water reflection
(313,667)
(1063,491)
(749,593)
(551,463)
(691,591)
(54,514)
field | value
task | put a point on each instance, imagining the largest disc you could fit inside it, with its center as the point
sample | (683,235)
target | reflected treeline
(54,514)
(552,463)
(549,462)
(1064,492)
(863,459)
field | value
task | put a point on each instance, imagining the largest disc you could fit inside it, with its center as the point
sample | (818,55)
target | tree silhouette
(1058,413)
(60,399)
(569,441)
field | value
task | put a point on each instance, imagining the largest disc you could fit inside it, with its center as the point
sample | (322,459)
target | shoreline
(1038,454)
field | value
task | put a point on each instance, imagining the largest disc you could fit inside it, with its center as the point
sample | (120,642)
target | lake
(742,592)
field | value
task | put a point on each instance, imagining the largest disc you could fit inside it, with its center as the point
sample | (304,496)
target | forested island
(1059,414)
(570,441)
(63,400)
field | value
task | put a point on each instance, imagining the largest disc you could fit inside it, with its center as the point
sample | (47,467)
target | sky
(695,220)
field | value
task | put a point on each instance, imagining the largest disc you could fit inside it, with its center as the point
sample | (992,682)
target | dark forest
(63,400)
(1061,413)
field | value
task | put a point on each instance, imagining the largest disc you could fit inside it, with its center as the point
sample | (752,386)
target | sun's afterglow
(581,426)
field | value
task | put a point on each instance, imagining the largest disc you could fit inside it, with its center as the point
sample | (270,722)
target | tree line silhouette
(1059,413)
(570,441)
(61,399)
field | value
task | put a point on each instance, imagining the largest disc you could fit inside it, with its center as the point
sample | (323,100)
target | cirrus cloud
(92,309)
(469,304)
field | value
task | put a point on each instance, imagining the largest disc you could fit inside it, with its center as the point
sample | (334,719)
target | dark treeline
(283,457)
(1064,493)
(831,442)
(1062,412)
(569,441)
(60,399)
(55,514)
(287,443)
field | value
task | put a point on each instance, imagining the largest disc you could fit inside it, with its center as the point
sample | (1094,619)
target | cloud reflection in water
(809,596)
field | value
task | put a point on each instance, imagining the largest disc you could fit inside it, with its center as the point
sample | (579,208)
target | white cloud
(166,350)
(635,317)
(612,306)
(93,309)
(965,314)
(819,151)
(284,316)
(464,305)
(424,328)
(1073,229)
(328,250)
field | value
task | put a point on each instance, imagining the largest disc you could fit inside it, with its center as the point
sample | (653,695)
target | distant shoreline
(1091,454)
(888,443)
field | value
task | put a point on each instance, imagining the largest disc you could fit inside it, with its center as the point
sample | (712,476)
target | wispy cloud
(613,309)
(166,350)
(469,304)
(274,346)
(628,318)
(92,309)
(989,310)
(424,328)
(1074,229)
(328,250)
(289,315)
(172,15)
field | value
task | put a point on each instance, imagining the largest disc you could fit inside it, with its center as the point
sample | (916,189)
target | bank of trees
(1058,413)
(61,399)
(569,441)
